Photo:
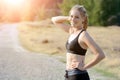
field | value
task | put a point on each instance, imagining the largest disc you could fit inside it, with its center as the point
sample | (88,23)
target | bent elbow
(53,20)
(102,56)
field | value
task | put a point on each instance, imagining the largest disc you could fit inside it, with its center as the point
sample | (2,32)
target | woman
(78,43)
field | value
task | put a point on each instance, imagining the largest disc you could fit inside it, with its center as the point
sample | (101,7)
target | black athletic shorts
(76,74)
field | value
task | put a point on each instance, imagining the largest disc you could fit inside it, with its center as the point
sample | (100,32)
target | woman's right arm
(60,22)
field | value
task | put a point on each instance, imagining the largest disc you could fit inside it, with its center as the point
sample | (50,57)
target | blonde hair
(83,13)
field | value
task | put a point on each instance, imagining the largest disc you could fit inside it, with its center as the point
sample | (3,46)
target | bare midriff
(71,58)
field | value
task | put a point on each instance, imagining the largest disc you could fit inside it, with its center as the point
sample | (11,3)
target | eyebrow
(75,15)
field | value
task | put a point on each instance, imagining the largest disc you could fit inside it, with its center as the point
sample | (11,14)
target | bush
(109,11)
(92,7)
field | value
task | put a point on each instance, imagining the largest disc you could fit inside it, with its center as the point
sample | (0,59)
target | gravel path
(19,64)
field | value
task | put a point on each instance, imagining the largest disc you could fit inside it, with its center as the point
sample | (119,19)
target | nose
(73,19)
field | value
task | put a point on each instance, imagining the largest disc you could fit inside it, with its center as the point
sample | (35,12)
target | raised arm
(99,54)
(60,22)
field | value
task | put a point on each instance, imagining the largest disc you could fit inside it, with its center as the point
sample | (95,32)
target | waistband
(75,71)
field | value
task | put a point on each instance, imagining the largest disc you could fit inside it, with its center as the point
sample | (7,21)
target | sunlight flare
(14,2)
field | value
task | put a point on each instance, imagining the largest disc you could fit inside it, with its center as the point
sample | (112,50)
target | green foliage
(109,8)
(88,4)
(100,12)
(67,4)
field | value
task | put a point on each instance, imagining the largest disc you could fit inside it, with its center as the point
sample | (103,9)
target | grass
(106,73)
(44,37)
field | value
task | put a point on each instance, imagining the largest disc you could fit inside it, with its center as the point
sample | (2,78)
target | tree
(108,9)
(88,4)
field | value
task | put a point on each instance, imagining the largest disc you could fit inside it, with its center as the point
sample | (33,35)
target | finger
(73,65)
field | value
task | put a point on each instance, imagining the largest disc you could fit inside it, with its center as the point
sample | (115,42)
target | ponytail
(85,23)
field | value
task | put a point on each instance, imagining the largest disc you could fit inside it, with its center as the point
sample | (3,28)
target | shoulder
(84,34)
(85,37)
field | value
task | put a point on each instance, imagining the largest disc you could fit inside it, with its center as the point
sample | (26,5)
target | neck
(75,29)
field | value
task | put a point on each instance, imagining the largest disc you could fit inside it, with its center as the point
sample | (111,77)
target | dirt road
(17,63)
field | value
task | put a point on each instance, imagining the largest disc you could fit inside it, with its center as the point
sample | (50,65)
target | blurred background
(27,10)
(38,34)
(100,12)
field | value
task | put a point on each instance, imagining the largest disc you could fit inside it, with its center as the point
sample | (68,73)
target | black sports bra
(74,46)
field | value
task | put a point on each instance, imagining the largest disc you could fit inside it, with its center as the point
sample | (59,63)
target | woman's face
(75,18)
